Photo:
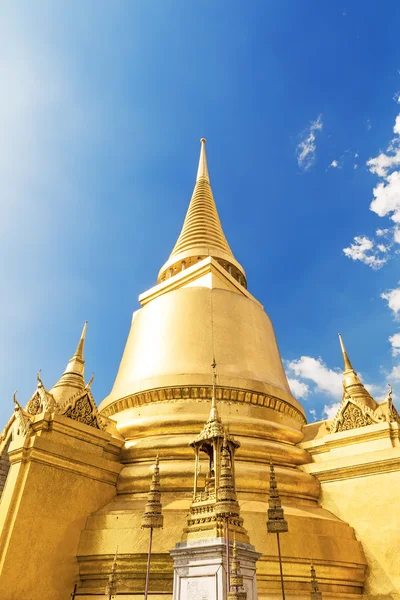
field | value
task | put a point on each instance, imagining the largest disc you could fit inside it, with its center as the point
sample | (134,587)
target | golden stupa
(76,478)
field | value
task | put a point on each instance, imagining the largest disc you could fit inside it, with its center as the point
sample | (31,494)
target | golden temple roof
(72,380)
(202,234)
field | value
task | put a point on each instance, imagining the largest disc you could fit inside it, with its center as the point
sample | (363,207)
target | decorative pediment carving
(82,408)
(353,417)
(353,414)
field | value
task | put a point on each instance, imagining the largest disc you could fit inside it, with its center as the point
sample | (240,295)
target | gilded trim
(224,394)
(360,470)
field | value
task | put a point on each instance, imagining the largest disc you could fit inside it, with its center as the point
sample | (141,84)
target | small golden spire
(111,587)
(237,591)
(276,521)
(315,593)
(352,384)
(81,343)
(73,378)
(227,505)
(214,415)
(347,363)
(152,517)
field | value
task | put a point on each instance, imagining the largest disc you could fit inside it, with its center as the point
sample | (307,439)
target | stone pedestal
(200,569)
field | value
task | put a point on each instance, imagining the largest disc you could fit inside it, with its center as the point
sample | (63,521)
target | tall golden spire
(72,380)
(202,233)
(353,387)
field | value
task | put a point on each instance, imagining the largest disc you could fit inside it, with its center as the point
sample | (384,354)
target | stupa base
(200,569)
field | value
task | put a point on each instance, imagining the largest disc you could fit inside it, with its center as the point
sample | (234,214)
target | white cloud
(330,410)
(394,374)
(393,300)
(356,155)
(387,197)
(365,250)
(382,232)
(396,127)
(299,388)
(396,97)
(355,166)
(314,370)
(396,235)
(334,164)
(307,147)
(313,413)
(395,343)
(383,163)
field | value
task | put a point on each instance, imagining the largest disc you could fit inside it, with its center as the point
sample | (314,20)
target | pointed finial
(214,416)
(111,587)
(15,398)
(89,383)
(81,343)
(152,517)
(276,520)
(315,593)
(202,171)
(347,363)
(72,380)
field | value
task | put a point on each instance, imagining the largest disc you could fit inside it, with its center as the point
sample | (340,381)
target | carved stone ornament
(34,406)
(83,409)
(353,418)
(353,415)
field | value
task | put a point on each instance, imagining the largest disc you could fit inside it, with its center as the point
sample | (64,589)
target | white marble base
(200,570)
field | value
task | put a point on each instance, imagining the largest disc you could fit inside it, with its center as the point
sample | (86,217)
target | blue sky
(101,111)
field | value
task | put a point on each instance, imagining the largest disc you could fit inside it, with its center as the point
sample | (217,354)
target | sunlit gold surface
(173,337)
(66,482)
(160,401)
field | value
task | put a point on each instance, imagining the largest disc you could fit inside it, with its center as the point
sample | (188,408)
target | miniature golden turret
(72,380)
(315,593)
(152,517)
(351,382)
(111,587)
(227,504)
(276,521)
(218,500)
(237,591)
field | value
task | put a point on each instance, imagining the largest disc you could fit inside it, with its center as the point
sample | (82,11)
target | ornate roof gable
(358,408)
(353,414)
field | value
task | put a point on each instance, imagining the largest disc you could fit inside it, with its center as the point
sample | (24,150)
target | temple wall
(359,471)
(4,467)
(60,473)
